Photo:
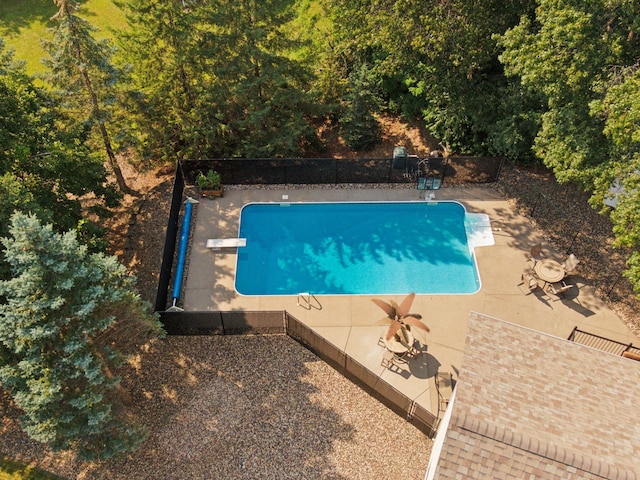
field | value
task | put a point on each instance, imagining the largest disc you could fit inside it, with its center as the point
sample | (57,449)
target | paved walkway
(349,322)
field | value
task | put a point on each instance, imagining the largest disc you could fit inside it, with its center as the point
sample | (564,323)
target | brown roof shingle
(530,405)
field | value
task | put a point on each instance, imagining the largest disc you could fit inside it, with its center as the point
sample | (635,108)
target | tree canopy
(45,166)
(63,308)
(217,79)
(582,57)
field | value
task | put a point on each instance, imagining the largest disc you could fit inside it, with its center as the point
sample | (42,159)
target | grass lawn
(24,22)
(12,470)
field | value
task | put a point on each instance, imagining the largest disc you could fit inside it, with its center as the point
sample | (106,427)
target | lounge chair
(570,264)
(530,280)
(429,183)
(558,289)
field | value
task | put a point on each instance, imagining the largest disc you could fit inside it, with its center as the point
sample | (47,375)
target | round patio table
(396,346)
(549,270)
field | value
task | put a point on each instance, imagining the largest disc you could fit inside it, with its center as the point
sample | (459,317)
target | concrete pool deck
(351,322)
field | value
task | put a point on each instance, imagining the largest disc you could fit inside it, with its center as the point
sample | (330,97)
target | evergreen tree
(358,126)
(161,43)
(66,316)
(81,68)
(218,78)
(44,168)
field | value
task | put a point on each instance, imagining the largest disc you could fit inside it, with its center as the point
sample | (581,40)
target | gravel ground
(246,407)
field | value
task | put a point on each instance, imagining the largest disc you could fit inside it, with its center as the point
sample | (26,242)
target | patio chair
(536,254)
(429,183)
(570,264)
(530,280)
(444,385)
(558,289)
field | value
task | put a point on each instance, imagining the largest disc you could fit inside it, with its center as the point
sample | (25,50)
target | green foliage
(218,80)
(620,109)
(14,470)
(438,60)
(59,335)
(562,55)
(210,180)
(44,168)
(358,126)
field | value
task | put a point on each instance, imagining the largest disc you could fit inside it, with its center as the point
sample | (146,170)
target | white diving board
(218,243)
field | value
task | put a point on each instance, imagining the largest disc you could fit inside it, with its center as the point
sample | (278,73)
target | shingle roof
(529,405)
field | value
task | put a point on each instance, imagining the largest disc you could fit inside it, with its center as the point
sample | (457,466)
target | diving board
(479,230)
(218,243)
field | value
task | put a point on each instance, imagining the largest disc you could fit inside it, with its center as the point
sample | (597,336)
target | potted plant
(210,184)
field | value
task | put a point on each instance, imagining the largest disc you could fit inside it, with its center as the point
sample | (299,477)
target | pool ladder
(308,301)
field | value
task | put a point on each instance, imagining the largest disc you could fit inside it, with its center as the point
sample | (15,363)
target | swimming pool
(368,248)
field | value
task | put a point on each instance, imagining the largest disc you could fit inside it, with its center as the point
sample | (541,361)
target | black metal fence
(281,322)
(170,241)
(314,171)
(223,323)
(602,343)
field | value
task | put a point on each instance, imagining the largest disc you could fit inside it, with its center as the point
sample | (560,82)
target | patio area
(351,322)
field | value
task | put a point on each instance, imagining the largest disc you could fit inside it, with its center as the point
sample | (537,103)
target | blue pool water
(355,248)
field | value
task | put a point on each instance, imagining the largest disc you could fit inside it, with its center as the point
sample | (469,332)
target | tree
(620,109)
(438,60)
(358,126)
(81,67)
(562,55)
(267,106)
(219,78)
(566,53)
(44,168)
(161,44)
(66,315)
(582,57)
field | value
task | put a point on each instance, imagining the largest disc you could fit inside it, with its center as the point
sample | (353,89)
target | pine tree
(219,78)
(66,316)
(81,67)
(358,126)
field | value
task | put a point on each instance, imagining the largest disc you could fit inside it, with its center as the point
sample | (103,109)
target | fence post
(502,160)
(535,205)
(224,330)
(390,170)
(573,241)
(614,284)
